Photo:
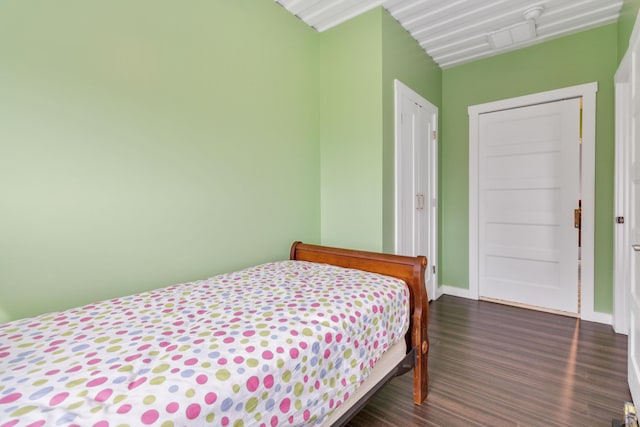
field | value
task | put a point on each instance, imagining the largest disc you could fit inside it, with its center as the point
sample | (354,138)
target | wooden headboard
(409,269)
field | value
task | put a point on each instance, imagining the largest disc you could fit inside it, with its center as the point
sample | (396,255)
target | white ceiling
(456,31)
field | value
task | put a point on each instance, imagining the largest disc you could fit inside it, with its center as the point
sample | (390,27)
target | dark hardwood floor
(494,365)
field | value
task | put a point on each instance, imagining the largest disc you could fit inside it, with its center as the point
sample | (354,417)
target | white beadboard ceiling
(453,32)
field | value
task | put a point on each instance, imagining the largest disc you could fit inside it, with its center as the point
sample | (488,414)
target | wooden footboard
(409,269)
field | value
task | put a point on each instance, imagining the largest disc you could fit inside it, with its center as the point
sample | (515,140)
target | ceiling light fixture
(517,33)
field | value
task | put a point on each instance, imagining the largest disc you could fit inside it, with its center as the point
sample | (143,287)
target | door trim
(588,94)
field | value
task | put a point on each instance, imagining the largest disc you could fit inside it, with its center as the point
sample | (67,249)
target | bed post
(409,269)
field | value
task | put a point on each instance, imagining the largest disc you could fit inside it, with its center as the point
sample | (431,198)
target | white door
(529,186)
(416,180)
(634,229)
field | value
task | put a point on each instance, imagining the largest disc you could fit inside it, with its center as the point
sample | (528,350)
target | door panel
(634,229)
(529,173)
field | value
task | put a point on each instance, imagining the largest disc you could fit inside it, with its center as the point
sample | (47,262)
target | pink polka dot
(4,354)
(294,353)
(285,405)
(101,424)
(10,398)
(10,423)
(124,409)
(94,361)
(328,338)
(96,382)
(327,353)
(268,381)
(132,358)
(306,415)
(191,361)
(193,411)
(53,372)
(38,424)
(74,369)
(267,355)
(274,421)
(248,333)
(149,417)
(238,359)
(103,395)
(172,407)
(253,383)
(225,421)
(210,398)
(137,382)
(58,398)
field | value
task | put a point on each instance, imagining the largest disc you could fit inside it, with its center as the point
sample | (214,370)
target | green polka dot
(238,423)
(101,339)
(23,410)
(161,368)
(236,388)
(126,368)
(190,393)
(77,382)
(353,379)
(210,418)
(75,405)
(251,405)
(114,348)
(298,405)
(298,389)
(347,353)
(157,380)
(286,377)
(252,363)
(39,383)
(167,424)
(307,332)
(280,363)
(206,365)
(223,374)
(119,398)
(148,400)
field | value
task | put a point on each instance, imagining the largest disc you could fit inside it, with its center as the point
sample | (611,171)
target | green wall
(351,133)
(581,58)
(626,22)
(359,61)
(151,142)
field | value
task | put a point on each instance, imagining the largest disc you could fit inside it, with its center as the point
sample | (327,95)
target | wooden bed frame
(409,269)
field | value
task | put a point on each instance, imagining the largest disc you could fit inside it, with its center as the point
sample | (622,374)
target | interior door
(416,180)
(529,173)
(634,229)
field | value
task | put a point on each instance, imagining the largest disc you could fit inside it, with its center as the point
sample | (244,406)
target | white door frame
(588,94)
(621,247)
(403,91)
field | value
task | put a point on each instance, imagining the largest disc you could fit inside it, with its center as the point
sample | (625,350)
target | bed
(301,342)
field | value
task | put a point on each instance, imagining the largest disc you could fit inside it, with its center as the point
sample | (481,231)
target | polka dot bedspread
(278,344)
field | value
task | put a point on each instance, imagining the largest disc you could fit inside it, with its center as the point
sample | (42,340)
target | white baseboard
(456,292)
(593,316)
(597,317)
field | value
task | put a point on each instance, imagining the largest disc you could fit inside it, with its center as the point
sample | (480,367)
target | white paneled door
(416,166)
(634,227)
(529,187)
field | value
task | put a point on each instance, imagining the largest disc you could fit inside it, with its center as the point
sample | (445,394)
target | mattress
(282,343)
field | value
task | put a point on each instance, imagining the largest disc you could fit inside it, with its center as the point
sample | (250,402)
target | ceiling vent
(517,33)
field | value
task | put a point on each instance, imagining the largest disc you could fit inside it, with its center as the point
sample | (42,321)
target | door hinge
(434,135)
(577,218)
(433,268)
(619,220)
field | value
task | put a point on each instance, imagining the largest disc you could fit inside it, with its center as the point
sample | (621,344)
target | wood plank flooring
(495,365)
